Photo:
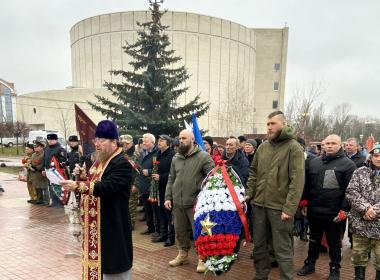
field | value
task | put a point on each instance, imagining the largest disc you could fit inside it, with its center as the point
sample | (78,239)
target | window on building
(277,67)
(276,86)
(8,109)
(275,104)
(8,114)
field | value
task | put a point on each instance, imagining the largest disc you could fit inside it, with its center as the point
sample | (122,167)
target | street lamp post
(361,138)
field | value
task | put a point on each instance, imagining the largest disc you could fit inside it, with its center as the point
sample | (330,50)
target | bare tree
(65,121)
(318,124)
(235,117)
(300,108)
(20,130)
(9,126)
(340,120)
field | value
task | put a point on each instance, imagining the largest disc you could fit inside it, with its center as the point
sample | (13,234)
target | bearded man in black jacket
(326,181)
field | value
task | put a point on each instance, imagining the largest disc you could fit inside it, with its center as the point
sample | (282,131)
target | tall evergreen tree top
(146,100)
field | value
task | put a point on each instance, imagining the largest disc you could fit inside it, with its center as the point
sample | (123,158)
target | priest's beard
(184,149)
(103,155)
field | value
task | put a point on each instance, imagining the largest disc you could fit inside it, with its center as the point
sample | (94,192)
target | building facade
(7,102)
(240,71)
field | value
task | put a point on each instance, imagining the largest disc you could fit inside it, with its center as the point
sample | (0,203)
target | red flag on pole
(86,129)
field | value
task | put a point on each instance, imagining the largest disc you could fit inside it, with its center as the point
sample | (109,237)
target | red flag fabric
(370,143)
(85,127)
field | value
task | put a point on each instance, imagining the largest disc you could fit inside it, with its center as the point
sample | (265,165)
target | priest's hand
(77,169)
(69,185)
(168,204)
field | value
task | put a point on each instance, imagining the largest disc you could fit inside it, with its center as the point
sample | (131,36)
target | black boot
(359,273)
(308,268)
(334,273)
(169,242)
(160,238)
(148,231)
(377,275)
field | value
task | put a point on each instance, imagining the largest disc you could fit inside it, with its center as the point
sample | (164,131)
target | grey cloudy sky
(336,42)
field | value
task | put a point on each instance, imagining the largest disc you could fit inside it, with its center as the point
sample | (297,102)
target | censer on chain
(73,213)
(72,210)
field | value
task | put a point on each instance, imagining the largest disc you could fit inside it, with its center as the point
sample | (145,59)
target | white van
(41,135)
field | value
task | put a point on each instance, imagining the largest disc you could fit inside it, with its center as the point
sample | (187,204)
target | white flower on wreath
(216,199)
(229,206)
(218,206)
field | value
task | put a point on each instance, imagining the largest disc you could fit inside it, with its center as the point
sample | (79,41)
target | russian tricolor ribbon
(222,166)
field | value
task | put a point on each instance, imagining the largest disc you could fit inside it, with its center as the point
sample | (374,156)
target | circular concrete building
(239,70)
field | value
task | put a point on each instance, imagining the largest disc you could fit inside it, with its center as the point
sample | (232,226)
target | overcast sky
(336,42)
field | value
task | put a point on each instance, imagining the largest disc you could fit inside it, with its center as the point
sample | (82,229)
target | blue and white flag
(188,127)
(197,132)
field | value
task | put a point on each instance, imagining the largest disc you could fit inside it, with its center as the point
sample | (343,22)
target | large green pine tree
(147,100)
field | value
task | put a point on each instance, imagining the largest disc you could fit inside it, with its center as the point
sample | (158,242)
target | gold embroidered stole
(90,211)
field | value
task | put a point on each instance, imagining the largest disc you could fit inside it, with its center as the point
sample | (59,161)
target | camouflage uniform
(134,196)
(361,251)
(31,189)
(362,193)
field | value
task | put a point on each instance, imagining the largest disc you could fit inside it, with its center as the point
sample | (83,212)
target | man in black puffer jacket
(326,181)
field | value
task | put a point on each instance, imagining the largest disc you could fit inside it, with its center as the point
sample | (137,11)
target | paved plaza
(36,244)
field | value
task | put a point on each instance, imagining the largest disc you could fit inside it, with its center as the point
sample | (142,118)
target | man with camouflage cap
(129,150)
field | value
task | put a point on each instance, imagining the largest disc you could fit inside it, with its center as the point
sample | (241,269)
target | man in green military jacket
(38,180)
(275,186)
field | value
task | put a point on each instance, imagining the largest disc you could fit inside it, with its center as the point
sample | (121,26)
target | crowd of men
(42,155)
(286,183)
